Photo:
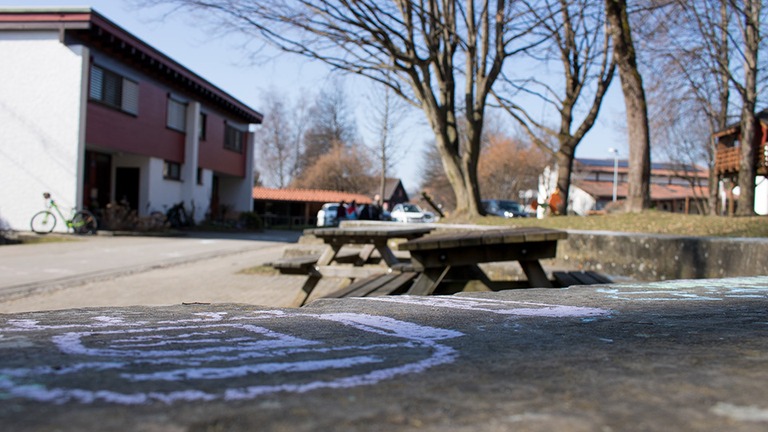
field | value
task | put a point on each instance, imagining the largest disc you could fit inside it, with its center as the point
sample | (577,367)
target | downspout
(250,143)
(191,156)
(85,56)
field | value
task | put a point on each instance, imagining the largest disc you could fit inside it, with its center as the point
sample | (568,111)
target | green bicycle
(81,222)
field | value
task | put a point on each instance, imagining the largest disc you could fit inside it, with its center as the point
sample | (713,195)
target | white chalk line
(274,345)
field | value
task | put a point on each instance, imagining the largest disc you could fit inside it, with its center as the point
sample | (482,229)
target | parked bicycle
(177,216)
(81,221)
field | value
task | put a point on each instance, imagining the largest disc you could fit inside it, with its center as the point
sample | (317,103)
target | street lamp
(615,170)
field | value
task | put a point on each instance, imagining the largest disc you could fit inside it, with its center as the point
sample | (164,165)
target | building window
(172,170)
(114,90)
(177,115)
(233,138)
(203,127)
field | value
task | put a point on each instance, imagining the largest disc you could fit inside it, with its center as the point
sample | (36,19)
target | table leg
(387,255)
(537,278)
(309,285)
(365,255)
(428,281)
(305,291)
(328,255)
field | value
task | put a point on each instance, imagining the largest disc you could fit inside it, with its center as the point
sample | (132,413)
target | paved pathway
(679,355)
(48,268)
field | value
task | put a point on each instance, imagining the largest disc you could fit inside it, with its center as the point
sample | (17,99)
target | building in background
(727,165)
(94,115)
(674,187)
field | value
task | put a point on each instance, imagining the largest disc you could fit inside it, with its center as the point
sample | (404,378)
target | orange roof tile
(307,195)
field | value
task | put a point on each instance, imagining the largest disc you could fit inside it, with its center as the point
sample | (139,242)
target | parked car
(504,208)
(411,213)
(326,216)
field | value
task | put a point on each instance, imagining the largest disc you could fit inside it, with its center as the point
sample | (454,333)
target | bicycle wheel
(84,222)
(43,222)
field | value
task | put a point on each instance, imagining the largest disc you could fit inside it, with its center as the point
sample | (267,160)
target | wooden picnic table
(372,238)
(454,256)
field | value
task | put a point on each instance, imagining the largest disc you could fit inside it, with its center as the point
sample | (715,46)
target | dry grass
(651,221)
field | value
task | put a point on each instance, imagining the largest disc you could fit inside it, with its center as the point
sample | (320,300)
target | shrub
(251,221)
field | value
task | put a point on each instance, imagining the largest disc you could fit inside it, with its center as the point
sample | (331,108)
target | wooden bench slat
(295,265)
(585,278)
(602,279)
(363,285)
(566,279)
(401,282)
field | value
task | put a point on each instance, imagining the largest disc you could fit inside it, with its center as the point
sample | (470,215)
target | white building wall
(164,193)
(761,195)
(42,107)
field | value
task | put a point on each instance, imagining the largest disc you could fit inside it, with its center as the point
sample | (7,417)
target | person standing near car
(352,210)
(341,212)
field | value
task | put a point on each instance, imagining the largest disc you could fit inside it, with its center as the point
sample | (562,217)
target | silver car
(327,215)
(411,213)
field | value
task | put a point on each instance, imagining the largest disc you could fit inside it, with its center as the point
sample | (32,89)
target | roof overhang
(91,28)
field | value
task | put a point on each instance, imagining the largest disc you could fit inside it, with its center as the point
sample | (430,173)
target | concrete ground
(146,271)
(677,355)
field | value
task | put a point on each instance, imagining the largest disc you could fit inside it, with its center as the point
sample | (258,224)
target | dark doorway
(127,186)
(96,184)
(215,198)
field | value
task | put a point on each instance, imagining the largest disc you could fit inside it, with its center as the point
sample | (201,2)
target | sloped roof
(657,168)
(307,195)
(87,26)
(734,128)
(659,192)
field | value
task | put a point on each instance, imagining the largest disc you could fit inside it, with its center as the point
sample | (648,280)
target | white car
(327,215)
(411,213)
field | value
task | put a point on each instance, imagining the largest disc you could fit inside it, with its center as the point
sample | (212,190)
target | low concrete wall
(660,257)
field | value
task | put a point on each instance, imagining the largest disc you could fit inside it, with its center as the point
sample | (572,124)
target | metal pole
(615,170)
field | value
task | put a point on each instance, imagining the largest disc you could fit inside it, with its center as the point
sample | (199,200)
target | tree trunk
(722,115)
(564,158)
(747,167)
(462,176)
(638,197)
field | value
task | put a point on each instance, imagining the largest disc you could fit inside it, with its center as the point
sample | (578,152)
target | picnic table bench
(385,277)
(436,260)
(455,257)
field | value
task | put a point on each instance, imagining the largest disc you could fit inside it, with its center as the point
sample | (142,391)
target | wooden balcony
(727,160)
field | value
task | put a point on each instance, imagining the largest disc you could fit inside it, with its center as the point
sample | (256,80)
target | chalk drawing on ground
(134,359)
(690,290)
(215,356)
(500,307)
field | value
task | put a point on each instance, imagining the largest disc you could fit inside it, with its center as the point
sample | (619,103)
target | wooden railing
(727,160)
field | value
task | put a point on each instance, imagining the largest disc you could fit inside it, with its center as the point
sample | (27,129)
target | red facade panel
(145,134)
(212,154)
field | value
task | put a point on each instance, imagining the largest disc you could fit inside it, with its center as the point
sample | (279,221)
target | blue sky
(222,61)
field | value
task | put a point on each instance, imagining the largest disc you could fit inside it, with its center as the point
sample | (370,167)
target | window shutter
(130,97)
(177,115)
(97,82)
(113,89)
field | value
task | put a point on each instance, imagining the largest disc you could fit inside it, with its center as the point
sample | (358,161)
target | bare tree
(386,115)
(578,42)
(750,12)
(330,123)
(342,168)
(300,120)
(442,56)
(687,46)
(276,139)
(638,196)
(509,166)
